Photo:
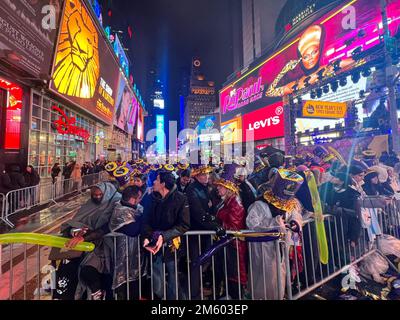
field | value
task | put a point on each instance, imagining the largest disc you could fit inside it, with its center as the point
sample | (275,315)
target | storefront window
(48,146)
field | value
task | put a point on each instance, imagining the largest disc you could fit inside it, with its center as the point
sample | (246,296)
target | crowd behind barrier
(296,276)
(308,221)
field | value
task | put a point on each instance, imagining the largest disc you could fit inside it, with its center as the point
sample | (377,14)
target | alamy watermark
(49,20)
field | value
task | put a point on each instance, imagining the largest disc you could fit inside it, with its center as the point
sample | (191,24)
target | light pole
(390,81)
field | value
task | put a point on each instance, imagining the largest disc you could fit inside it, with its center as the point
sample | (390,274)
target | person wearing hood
(90,223)
(373,187)
(5,180)
(126,219)
(166,219)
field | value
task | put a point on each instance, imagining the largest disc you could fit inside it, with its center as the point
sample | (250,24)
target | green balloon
(43,240)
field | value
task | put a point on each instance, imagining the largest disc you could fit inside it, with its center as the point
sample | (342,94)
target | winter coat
(201,214)
(55,171)
(246,195)
(169,216)
(31,179)
(233,218)
(17,178)
(5,183)
(76,173)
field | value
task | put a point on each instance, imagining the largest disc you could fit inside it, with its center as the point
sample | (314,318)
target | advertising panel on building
(266,123)
(85,71)
(26,37)
(231,131)
(121,55)
(126,107)
(140,124)
(324,49)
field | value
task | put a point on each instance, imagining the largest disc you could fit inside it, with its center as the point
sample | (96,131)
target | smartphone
(151,244)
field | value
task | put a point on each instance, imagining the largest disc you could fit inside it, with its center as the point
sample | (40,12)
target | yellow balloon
(43,240)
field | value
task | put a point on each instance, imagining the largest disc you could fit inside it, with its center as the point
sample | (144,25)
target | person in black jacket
(5,180)
(32,180)
(373,187)
(17,178)
(166,219)
(55,171)
(202,217)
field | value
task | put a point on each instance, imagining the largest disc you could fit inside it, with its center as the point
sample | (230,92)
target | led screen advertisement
(85,71)
(27,35)
(140,125)
(121,55)
(324,48)
(266,123)
(160,134)
(126,107)
(231,131)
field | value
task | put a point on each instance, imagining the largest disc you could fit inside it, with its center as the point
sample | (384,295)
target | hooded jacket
(17,179)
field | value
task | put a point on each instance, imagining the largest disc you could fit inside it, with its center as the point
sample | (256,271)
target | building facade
(202,99)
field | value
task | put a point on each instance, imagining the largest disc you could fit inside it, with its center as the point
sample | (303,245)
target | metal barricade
(24,199)
(273,270)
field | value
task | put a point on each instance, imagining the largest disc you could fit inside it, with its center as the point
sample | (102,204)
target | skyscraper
(202,98)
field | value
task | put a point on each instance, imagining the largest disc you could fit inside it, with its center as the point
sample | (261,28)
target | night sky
(168,33)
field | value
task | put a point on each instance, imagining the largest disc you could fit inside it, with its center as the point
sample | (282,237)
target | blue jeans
(158,278)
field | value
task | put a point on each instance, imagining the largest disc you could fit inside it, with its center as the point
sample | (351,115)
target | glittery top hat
(227,177)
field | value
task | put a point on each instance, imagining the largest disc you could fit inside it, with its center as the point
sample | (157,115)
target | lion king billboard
(85,71)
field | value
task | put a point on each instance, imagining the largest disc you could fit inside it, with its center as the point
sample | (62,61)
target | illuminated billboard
(26,40)
(324,49)
(159,103)
(140,125)
(121,55)
(126,107)
(266,123)
(231,131)
(160,134)
(85,71)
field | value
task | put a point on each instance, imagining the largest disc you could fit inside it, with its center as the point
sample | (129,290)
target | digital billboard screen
(266,123)
(159,103)
(324,48)
(126,107)
(140,125)
(231,131)
(85,71)
(26,35)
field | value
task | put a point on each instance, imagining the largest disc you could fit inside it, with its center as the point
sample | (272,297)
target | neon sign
(65,125)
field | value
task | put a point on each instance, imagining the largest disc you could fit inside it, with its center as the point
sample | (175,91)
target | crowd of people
(148,210)
(16,178)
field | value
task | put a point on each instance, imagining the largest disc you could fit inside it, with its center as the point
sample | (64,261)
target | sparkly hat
(227,177)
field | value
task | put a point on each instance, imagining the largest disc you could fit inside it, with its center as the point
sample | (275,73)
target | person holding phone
(166,219)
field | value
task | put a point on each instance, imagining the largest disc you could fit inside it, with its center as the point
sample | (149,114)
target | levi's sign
(324,109)
(267,122)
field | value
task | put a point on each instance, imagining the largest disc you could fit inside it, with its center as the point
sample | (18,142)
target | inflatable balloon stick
(319,218)
(43,240)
